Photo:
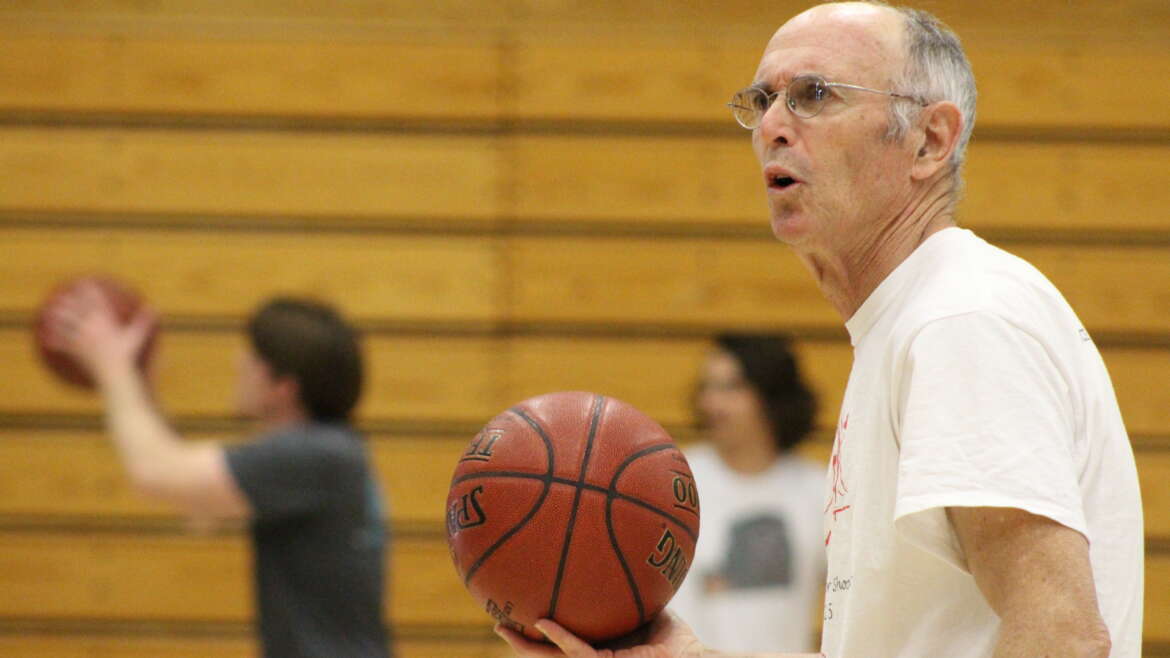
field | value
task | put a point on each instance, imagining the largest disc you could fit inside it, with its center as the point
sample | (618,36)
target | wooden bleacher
(509,198)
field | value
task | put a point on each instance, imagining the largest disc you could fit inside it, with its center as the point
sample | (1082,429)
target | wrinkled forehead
(848,42)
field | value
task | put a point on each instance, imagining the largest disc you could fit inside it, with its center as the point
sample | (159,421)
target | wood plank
(616,281)
(181,646)
(72,474)
(709,180)
(758,16)
(124,646)
(189,578)
(229,273)
(663,281)
(655,375)
(1154,472)
(410,377)
(1050,83)
(345,176)
(302,78)
(704,180)
(470,379)
(61,576)
(1157,612)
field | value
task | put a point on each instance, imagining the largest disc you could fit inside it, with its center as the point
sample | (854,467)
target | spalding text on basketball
(504,615)
(668,558)
(466,512)
(480,449)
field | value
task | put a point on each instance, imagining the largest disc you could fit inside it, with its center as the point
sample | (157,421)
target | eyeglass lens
(805,96)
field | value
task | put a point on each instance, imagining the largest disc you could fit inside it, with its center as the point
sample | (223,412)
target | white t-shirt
(758,568)
(973,384)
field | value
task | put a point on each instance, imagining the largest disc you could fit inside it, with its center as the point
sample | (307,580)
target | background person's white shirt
(973,384)
(758,568)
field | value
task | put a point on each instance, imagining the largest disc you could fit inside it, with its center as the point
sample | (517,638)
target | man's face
(255,386)
(847,177)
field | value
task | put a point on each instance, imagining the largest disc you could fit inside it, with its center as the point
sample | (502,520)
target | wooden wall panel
(599,76)
(418,378)
(193,646)
(686,180)
(50,576)
(471,379)
(1157,612)
(64,475)
(116,576)
(760,17)
(209,272)
(655,375)
(662,281)
(1023,82)
(1154,471)
(35,645)
(661,180)
(312,78)
(353,176)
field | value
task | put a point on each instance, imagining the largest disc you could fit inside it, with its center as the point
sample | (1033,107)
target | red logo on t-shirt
(837,489)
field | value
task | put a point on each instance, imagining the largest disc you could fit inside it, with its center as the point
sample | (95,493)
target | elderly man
(982,497)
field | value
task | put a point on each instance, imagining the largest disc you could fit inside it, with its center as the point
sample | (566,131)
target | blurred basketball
(575,507)
(125,303)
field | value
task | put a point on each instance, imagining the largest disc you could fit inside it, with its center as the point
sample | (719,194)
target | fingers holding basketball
(665,637)
(90,324)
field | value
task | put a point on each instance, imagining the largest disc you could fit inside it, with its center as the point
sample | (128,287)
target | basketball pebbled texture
(576,507)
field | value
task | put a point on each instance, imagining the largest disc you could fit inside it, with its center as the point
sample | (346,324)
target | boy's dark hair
(771,369)
(311,343)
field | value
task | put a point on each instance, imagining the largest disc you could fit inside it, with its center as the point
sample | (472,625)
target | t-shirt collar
(887,291)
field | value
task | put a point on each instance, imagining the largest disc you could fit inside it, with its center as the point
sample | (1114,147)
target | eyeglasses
(805,97)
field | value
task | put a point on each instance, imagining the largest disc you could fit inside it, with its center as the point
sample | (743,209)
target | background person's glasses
(805,97)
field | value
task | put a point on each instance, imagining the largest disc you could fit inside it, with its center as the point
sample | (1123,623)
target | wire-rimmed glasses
(805,97)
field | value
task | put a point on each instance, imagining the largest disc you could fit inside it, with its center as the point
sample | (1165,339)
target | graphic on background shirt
(759,555)
(837,489)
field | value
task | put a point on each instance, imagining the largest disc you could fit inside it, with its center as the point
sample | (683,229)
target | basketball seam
(535,507)
(609,493)
(594,422)
(612,495)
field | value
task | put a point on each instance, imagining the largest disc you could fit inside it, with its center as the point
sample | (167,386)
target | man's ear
(288,389)
(937,138)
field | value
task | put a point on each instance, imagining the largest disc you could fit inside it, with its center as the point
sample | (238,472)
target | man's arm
(1036,575)
(158,461)
(192,476)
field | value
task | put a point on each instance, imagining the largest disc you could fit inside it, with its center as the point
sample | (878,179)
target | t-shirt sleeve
(288,474)
(985,421)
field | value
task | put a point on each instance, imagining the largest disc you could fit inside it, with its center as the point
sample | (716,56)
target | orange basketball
(575,507)
(125,302)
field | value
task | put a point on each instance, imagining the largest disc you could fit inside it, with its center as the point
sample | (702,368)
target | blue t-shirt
(319,539)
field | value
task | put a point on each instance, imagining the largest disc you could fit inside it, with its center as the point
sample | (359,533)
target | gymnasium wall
(510,198)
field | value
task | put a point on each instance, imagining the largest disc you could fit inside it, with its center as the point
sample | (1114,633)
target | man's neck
(282,419)
(849,274)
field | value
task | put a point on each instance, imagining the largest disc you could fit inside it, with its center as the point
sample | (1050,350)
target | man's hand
(668,637)
(83,324)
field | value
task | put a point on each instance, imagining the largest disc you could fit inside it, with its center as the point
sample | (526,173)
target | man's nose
(776,127)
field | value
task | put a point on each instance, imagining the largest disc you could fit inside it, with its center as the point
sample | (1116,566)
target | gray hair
(936,70)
